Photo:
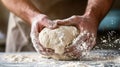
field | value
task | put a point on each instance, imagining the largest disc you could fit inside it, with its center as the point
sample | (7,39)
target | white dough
(59,38)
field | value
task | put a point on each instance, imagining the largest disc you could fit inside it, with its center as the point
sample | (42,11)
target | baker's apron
(18,35)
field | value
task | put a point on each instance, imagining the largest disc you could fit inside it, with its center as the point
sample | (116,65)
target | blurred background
(110,25)
(4,14)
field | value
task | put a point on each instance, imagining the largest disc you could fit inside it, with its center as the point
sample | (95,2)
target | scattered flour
(110,40)
(75,64)
(42,62)
(21,58)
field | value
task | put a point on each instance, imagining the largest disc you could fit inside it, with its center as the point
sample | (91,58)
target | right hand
(86,38)
(38,24)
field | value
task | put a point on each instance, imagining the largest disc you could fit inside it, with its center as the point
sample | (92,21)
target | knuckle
(75,16)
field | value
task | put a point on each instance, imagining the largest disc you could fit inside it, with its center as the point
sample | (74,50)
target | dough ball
(58,39)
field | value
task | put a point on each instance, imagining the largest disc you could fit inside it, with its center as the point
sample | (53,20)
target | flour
(21,58)
(37,60)
(75,64)
(110,40)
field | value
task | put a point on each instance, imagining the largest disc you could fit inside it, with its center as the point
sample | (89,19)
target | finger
(66,22)
(73,20)
(77,43)
(74,53)
(77,54)
(88,43)
(34,37)
(78,46)
(51,24)
(83,36)
(62,22)
(47,51)
(91,41)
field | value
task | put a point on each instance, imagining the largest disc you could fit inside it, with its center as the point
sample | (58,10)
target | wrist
(92,14)
(93,17)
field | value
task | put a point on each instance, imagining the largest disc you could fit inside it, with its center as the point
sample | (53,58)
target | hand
(38,24)
(87,37)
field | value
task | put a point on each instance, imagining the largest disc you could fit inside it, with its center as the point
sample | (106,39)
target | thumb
(51,24)
(65,22)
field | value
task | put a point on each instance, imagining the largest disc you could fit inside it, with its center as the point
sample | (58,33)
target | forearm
(97,9)
(22,8)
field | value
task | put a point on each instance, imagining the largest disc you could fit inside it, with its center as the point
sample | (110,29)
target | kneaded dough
(57,39)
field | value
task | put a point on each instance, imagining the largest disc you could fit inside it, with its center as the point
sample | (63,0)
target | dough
(58,39)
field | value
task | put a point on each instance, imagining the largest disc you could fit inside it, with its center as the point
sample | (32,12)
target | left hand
(87,37)
(38,23)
